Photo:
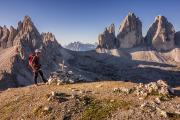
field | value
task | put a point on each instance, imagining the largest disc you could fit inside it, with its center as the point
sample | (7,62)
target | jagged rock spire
(28,34)
(130,31)
(12,34)
(161,34)
(107,39)
(4,37)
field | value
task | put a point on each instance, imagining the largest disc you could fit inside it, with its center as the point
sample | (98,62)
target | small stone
(98,86)
(112,100)
(145,95)
(70,72)
(73,96)
(71,81)
(141,98)
(162,112)
(53,93)
(157,100)
(47,108)
(144,105)
(178,106)
(81,91)
(115,89)
(58,83)
(50,98)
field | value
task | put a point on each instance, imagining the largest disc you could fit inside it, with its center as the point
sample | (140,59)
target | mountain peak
(27,18)
(131,14)
(130,31)
(161,34)
(160,18)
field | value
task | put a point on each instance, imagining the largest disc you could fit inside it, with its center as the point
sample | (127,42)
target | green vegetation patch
(99,110)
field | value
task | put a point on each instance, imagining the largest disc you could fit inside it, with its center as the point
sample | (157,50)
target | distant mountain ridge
(79,46)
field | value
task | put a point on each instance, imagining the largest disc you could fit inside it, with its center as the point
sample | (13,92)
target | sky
(83,20)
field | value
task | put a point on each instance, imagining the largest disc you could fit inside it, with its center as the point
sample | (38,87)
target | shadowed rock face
(108,39)
(4,37)
(130,32)
(1,32)
(12,34)
(177,38)
(161,34)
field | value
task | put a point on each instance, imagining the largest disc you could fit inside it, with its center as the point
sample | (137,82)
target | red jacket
(35,63)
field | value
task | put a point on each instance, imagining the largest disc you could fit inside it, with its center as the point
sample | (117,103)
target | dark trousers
(36,76)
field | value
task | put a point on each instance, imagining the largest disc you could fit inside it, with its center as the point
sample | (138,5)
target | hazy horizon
(83,20)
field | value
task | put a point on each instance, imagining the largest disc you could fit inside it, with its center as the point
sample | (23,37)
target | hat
(37,51)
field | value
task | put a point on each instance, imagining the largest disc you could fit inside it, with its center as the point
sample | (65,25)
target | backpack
(31,57)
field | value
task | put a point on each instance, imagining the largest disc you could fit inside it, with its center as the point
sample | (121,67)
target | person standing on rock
(36,66)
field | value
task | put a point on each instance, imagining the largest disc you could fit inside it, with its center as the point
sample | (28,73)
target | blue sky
(83,20)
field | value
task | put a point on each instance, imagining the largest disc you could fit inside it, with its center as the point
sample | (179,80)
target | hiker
(36,66)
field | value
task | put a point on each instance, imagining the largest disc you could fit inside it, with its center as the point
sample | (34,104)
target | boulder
(161,34)
(130,32)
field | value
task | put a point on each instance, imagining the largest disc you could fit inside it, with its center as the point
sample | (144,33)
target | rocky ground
(109,100)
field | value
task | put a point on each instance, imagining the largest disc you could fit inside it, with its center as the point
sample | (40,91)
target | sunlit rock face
(161,34)
(130,32)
